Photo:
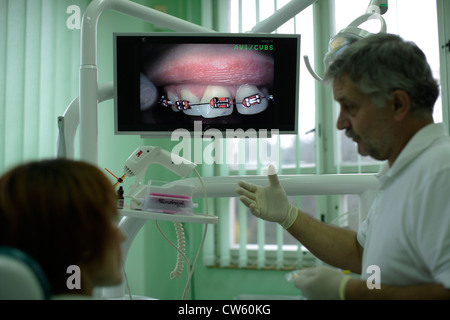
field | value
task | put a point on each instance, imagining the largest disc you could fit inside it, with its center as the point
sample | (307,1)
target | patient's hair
(58,212)
(382,63)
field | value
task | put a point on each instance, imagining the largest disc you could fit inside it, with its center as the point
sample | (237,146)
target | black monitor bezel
(127,51)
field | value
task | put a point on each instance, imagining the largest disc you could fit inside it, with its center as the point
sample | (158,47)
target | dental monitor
(196,82)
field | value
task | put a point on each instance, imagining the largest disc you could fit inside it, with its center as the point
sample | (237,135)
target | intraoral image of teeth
(250,100)
(188,95)
(199,73)
(210,111)
(173,97)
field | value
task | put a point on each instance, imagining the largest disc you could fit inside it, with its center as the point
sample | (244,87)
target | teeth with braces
(215,102)
(216,105)
(253,99)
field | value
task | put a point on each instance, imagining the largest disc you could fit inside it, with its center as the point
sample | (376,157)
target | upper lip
(216,65)
(351,135)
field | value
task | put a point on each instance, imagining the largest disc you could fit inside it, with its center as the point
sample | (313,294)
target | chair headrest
(21,277)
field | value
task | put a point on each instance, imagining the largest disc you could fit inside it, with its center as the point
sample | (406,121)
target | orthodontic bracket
(215,102)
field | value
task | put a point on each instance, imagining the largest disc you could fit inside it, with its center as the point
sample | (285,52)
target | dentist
(386,93)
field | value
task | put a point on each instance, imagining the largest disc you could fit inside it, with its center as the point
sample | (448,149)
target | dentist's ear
(401,104)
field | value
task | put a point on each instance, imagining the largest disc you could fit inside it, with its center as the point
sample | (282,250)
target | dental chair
(21,277)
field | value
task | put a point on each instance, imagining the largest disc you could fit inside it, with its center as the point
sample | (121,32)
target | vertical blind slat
(15,56)
(261,240)
(47,79)
(32,72)
(224,228)
(280,242)
(3,63)
(243,254)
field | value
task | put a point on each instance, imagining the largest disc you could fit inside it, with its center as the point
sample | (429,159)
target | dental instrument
(134,218)
(140,159)
(119,180)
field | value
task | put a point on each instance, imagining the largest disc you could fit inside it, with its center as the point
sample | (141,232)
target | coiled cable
(181,244)
(181,255)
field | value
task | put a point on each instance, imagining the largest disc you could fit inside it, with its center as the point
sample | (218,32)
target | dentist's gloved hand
(321,283)
(268,203)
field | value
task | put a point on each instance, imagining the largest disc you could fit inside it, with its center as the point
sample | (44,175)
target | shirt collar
(418,143)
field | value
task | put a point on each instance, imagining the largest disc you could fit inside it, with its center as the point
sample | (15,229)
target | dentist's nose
(343,122)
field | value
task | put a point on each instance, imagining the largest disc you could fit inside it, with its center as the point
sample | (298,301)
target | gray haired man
(386,93)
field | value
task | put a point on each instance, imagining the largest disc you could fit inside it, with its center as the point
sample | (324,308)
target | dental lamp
(351,33)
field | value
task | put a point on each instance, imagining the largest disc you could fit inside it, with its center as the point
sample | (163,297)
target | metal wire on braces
(216,103)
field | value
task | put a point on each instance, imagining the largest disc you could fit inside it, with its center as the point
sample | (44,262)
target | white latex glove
(268,203)
(321,283)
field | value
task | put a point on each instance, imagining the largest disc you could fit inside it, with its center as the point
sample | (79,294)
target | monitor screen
(197,82)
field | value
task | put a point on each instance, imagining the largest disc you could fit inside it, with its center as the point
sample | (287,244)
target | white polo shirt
(407,231)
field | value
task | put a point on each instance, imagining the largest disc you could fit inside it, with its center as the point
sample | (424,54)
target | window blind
(39,62)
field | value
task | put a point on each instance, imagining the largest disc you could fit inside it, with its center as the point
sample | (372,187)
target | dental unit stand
(83,112)
(136,165)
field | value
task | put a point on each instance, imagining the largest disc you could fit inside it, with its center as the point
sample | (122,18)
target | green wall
(151,258)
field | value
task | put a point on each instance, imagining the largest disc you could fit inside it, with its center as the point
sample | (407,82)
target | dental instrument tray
(167,198)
